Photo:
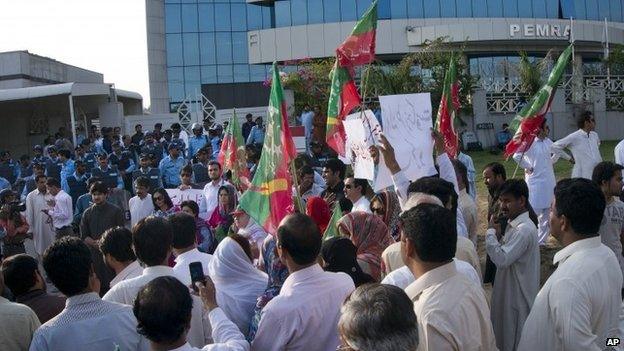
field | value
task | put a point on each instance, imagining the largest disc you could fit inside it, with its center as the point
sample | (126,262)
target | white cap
(196,126)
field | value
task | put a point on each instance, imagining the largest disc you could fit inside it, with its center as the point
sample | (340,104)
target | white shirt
(17,325)
(579,303)
(226,335)
(62,213)
(42,230)
(403,277)
(305,314)
(585,150)
(181,268)
(211,197)
(619,153)
(362,204)
(541,181)
(315,190)
(140,208)
(126,291)
(468,208)
(132,270)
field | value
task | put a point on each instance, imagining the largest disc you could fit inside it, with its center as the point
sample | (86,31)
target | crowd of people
(112,256)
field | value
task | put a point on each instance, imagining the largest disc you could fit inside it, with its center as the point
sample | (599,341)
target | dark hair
(187,169)
(165,196)
(604,171)
(363,183)
(192,205)
(497,169)
(24,157)
(461,172)
(305,170)
(98,187)
(117,242)
(152,238)
(516,188)
(53,182)
(244,244)
(379,317)
(303,160)
(39,177)
(163,310)
(213,162)
(335,165)
(438,187)
(584,117)
(142,181)
(300,236)
(183,226)
(68,264)
(19,273)
(432,231)
(345,205)
(583,204)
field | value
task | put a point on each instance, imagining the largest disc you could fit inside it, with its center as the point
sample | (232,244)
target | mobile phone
(197,274)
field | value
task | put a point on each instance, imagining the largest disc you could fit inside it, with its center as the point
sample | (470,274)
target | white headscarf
(254,233)
(237,281)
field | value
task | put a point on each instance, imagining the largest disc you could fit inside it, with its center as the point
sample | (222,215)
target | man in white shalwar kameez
(517,260)
(584,144)
(539,175)
(40,223)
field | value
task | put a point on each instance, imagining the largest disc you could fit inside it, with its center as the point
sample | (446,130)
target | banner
(178,196)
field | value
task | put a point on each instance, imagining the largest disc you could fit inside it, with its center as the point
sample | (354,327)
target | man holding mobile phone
(188,257)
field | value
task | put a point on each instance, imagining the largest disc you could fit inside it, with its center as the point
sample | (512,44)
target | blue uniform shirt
(170,170)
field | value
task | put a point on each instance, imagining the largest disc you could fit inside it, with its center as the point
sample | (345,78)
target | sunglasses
(158,198)
(378,210)
(185,175)
(348,186)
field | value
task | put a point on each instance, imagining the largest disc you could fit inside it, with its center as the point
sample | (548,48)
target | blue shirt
(306,121)
(67,169)
(170,170)
(216,147)
(4,184)
(467,161)
(256,136)
(195,143)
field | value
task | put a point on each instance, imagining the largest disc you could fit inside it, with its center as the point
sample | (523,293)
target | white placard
(178,196)
(362,129)
(407,126)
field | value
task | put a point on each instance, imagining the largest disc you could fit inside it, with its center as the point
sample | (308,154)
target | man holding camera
(14,225)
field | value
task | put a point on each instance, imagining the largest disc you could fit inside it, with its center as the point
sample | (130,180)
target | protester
(307,187)
(378,317)
(164,307)
(470,168)
(142,204)
(163,206)
(333,173)
(340,255)
(41,230)
(221,219)
(21,275)
(494,175)
(355,190)
(618,153)
(443,299)
(370,236)
(386,206)
(237,281)
(466,203)
(116,247)
(211,189)
(100,216)
(205,238)
(319,211)
(17,325)
(584,144)
(503,136)
(305,313)
(59,208)
(608,176)
(579,305)
(152,239)
(87,322)
(30,183)
(13,224)
(248,228)
(516,255)
(185,247)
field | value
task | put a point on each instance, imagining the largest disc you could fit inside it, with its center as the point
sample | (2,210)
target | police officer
(170,167)
(38,155)
(85,154)
(122,158)
(150,146)
(146,170)
(25,171)
(197,141)
(109,175)
(9,170)
(77,182)
(200,168)
(53,164)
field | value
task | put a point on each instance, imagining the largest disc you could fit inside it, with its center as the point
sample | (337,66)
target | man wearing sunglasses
(355,190)
(584,144)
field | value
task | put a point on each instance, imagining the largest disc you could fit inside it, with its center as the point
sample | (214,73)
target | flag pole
(298,201)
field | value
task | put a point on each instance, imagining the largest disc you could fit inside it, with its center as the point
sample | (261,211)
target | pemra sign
(539,31)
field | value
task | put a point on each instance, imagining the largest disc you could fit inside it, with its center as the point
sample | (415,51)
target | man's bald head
(300,237)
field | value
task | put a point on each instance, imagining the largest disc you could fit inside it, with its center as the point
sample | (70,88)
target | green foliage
(615,61)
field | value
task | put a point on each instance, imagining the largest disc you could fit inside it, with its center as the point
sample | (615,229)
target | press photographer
(14,225)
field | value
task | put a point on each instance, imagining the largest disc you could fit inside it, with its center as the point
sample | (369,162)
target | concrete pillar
(111,114)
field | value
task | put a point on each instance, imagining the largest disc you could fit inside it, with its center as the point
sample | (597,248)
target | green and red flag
(447,112)
(359,47)
(269,199)
(232,154)
(332,227)
(343,98)
(527,123)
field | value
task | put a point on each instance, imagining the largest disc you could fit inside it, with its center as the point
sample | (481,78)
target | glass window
(222,17)
(552,8)
(268,17)
(172,19)
(510,8)
(464,9)
(224,47)
(616,11)
(239,47)
(192,82)
(189,18)
(348,10)
(239,17)
(479,8)
(432,9)
(172,1)
(398,8)
(495,8)
(579,9)
(207,48)
(241,73)
(282,13)
(174,49)
(539,9)
(603,9)
(206,18)
(254,17)
(299,12)
(188,1)
(331,11)
(315,11)
(208,74)
(447,8)
(362,6)
(224,74)
(525,10)
(567,8)
(190,41)
(415,9)
(257,73)
(175,80)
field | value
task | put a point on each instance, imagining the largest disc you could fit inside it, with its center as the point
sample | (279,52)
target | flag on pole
(343,98)
(528,121)
(449,106)
(359,47)
(332,228)
(269,199)
(232,154)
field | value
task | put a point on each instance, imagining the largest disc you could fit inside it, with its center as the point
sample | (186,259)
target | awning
(75,89)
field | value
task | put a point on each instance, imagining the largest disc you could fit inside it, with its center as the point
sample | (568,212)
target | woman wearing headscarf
(370,236)
(319,211)
(245,226)
(277,272)
(340,255)
(238,283)
(386,205)
(221,219)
